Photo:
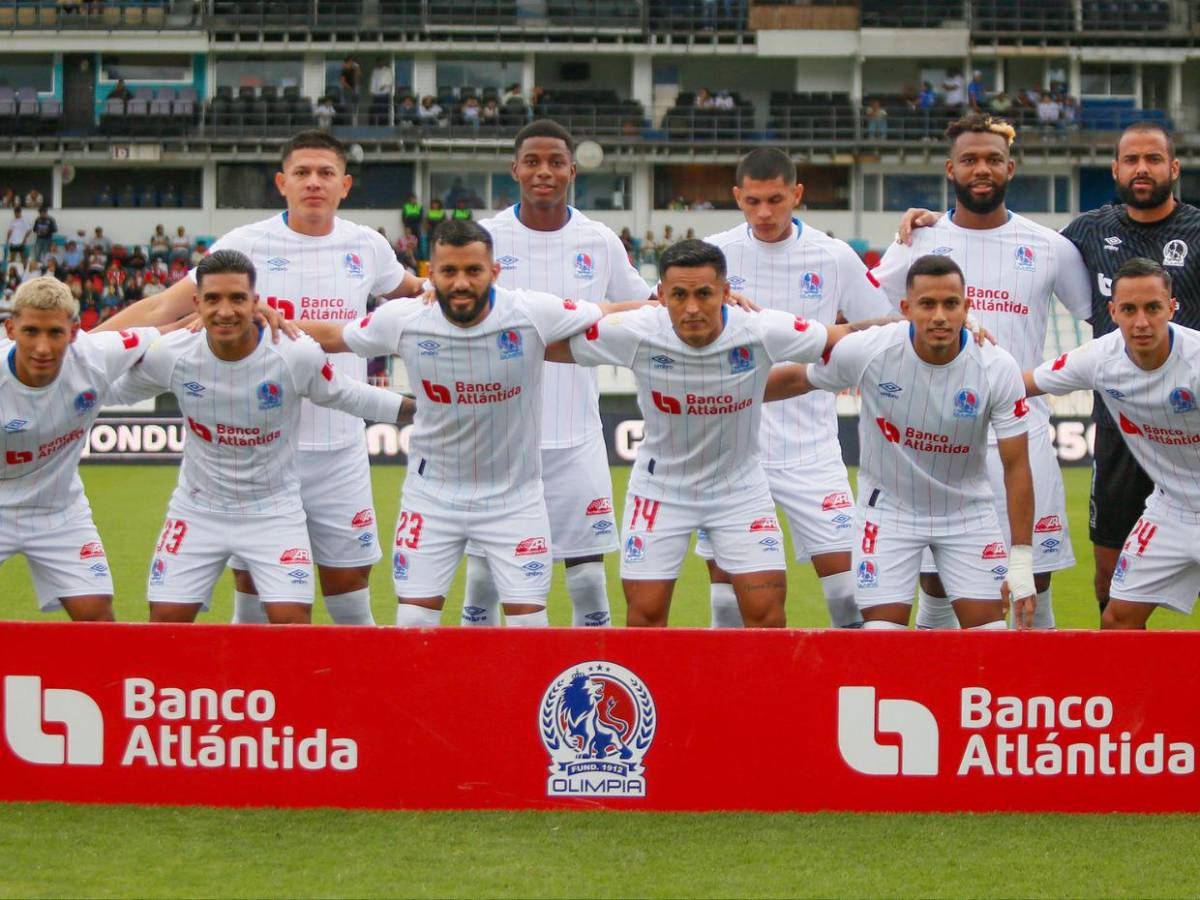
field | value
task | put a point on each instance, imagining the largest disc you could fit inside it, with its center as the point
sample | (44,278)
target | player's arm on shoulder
(914,218)
(150,375)
(124,349)
(611,341)
(789,338)
(787,381)
(892,272)
(1072,371)
(327,334)
(161,309)
(324,384)
(379,333)
(861,293)
(837,333)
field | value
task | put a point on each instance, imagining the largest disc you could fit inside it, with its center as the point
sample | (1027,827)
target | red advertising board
(608,718)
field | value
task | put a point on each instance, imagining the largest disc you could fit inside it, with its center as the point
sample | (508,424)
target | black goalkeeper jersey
(1107,237)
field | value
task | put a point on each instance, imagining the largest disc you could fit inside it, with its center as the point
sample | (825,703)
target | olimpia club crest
(597,720)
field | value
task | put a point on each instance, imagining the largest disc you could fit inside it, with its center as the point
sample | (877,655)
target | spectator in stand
(9,199)
(648,252)
(136,261)
(412,214)
(514,93)
(1030,98)
(408,114)
(73,257)
(18,231)
(691,235)
(96,261)
(382,82)
(350,83)
(976,92)
(58,254)
(1001,103)
(115,274)
(909,96)
(181,244)
(1049,112)
(490,114)
(32,271)
(430,112)
(1070,113)
(628,243)
(437,213)
(462,210)
(160,244)
(928,96)
(537,96)
(12,281)
(724,100)
(179,269)
(120,92)
(668,237)
(50,267)
(153,285)
(44,229)
(34,199)
(470,112)
(955,88)
(198,253)
(703,99)
(877,126)
(325,112)
(132,289)
(100,242)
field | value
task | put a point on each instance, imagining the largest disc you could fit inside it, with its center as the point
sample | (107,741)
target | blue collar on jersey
(962,337)
(950,213)
(799,228)
(517,212)
(724,314)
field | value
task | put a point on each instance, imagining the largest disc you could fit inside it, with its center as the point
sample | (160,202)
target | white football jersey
(812,275)
(1012,274)
(1156,410)
(43,430)
(923,428)
(243,417)
(583,260)
(475,438)
(324,279)
(702,406)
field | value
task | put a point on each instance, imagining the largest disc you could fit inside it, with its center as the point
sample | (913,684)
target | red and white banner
(616,718)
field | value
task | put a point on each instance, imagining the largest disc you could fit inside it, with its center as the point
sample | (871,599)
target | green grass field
(58,849)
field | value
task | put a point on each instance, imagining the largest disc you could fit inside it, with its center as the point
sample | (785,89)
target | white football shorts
(335,490)
(66,561)
(1160,562)
(743,533)
(430,542)
(1052,550)
(818,505)
(577,485)
(887,562)
(193,549)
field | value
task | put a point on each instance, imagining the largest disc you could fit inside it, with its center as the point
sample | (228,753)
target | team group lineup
(960,498)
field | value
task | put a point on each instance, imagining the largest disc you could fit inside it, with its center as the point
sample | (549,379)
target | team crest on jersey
(15,426)
(194,388)
(297,556)
(635,548)
(994,550)
(662,361)
(1182,400)
(811,284)
(354,265)
(158,571)
(91,550)
(766,523)
(868,574)
(966,404)
(1048,523)
(1114,393)
(596,720)
(585,266)
(507,263)
(1025,258)
(278,264)
(429,347)
(364,518)
(399,566)
(85,400)
(735,282)
(1121,570)
(836,500)
(270,395)
(741,359)
(531,546)
(533,568)
(1174,253)
(601,506)
(889,389)
(509,342)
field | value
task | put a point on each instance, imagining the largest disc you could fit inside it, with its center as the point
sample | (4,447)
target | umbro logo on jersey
(1000,572)
(98,569)
(1114,393)
(841,521)
(194,388)
(508,263)
(1051,545)
(1112,243)
(769,544)
(298,576)
(811,284)
(429,348)
(890,389)
(941,251)
(735,282)
(533,568)
(278,264)
(12,426)
(662,361)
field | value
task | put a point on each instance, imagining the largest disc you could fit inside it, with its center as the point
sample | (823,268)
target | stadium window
(901,192)
(600,191)
(255,72)
(147,188)
(450,187)
(505,191)
(1029,194)
(19,70)
(21,181)
(1062,193)
(380,186)
(695,186)
(478,73)
(872,184)
(157,67)
(1189,187)
(1107,80)
(247,186)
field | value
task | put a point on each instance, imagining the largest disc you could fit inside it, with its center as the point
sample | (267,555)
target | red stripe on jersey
(592,333)
(871,278)
(1059,363)
(1020,408)
(327,371)
(129,339)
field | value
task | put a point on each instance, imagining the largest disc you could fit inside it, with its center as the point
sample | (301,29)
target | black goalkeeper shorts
(1119,490)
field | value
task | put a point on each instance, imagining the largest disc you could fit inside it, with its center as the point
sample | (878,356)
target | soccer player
(544,244)
(52,385)
(314,266)
(1148,222)
(239,483)
(1146,374)
(701,371)
(930,394)
(1014,268)
(474,470)
(784,264)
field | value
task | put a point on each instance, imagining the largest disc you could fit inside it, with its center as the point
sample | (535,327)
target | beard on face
(471,313)
(1157,197)
(980,206)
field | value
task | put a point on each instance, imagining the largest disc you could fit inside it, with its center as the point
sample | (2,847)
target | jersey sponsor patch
(601,506)
(129,339)
(994,550)
(297,556)
(530,546)
(1020,408)
(836,500)
(1047,524)
(91,550)
(364,518)
(766,523)
(868,574)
